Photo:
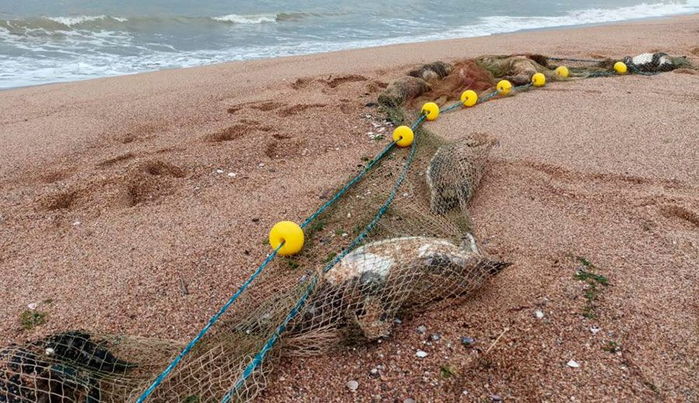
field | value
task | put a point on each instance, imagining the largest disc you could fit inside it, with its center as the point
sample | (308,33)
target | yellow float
(403,136)
(469,98)
(620,68)
(538,80)
(504,87)
(430,110)
(289,233)
(562,71)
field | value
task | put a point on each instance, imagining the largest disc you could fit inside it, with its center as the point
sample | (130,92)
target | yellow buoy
(504,87)
(469,98)
(538,80)
(620,68)
(562,71)
(430,110)
(403,136)
(288,232)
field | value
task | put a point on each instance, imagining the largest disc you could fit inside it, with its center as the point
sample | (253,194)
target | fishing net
(76,366)
(330,295)
(396,239)
(418,249)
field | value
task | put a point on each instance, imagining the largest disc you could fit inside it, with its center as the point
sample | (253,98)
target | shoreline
(520,31)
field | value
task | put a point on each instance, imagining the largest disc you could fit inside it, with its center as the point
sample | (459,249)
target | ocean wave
(246,19)
(108,22)
(503,24)
(82,19)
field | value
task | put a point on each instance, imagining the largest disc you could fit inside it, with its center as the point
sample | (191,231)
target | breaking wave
(107,22)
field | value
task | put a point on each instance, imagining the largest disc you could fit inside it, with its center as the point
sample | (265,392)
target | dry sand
(111,201)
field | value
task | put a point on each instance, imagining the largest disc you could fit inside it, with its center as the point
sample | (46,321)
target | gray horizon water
(43,42)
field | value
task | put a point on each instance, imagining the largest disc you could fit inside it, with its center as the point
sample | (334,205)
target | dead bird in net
(65,367)
(432,71)
(456,169)
(403,90)
(365,291)
(653,62)
(518,69)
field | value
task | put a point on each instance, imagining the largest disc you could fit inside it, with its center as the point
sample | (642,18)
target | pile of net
(397,242)
(441,81)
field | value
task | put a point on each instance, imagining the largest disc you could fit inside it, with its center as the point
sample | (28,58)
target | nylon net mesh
(420,251)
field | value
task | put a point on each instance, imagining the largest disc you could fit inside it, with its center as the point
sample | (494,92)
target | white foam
(501,24)
(71,21)
(246,19)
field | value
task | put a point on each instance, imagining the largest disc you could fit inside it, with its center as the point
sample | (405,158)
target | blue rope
(206,328)
(257,272)
(260,356)
(349,184)
(485,98)
(568,59)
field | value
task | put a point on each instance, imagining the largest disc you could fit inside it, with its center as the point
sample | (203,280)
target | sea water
(45,41)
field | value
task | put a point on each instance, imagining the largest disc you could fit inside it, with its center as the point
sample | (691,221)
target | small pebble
(397,321)
(495,398)
(374,372)
(76,223)
(420,354)
(219,171)
(594,329)
(32,306)
(353,386)
(232,174)
(467,341)
(261,164)
(539,314)
(422,329)
(435,336)
(573,364)
(409,400)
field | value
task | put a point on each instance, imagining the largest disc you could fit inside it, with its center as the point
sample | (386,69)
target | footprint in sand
(236,131)
(115,160)
(149,181)
(295,109)
(678,212)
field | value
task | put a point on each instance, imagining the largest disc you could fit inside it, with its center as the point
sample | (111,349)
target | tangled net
(395,243)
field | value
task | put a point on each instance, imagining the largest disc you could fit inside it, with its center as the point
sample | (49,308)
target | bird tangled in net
(75,366)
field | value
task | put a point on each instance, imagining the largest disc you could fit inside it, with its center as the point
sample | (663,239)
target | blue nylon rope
(485,98)
(206,328)
(349,184)
(568,59)
(257,272)
(272,341)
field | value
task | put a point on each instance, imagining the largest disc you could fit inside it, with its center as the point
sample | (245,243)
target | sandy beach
(117,193)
